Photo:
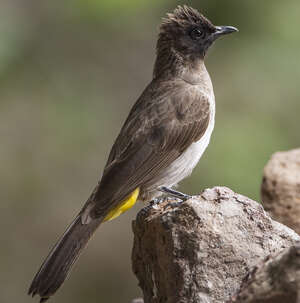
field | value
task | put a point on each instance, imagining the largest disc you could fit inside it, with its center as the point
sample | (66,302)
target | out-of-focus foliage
(69,73)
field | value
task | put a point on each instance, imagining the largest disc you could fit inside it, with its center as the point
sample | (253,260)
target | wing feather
(157,131)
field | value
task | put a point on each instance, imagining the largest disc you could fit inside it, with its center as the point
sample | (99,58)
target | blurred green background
(69,73)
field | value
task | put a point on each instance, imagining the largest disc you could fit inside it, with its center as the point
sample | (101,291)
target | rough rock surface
(275,279)
(280,188)
(200,250)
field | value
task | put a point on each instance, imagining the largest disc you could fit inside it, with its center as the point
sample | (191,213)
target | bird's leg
(174,193)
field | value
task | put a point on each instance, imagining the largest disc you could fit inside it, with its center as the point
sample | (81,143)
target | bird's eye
(196,34)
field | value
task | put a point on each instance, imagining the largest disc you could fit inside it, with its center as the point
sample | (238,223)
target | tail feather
(64,254)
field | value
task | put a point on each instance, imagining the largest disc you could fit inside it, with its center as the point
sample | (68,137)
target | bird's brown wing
(157,131)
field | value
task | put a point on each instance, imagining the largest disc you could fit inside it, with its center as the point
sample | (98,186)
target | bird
(163,138)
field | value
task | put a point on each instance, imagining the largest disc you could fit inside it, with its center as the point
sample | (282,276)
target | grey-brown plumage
(160,143)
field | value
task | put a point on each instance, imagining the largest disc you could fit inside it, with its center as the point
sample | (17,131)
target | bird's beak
(224,30)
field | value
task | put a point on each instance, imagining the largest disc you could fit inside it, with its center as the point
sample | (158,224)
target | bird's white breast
(184,165)
(193,154)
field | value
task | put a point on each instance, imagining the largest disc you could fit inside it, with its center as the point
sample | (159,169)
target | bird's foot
(180,197)
(174,193)
(155,201)
(145,210)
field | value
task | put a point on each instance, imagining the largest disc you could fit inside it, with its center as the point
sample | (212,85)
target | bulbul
(162,140)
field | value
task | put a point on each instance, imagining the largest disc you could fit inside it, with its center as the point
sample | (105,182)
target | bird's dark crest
(175,26)
(182,17)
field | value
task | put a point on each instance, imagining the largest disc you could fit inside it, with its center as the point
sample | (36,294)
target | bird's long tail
(64,254)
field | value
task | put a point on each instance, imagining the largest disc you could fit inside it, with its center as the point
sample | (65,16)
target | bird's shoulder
(165,101)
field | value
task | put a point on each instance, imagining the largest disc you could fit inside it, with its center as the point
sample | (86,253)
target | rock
(275,279)
(280,188)
(200,250)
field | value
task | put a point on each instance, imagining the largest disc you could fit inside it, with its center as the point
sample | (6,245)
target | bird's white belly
(184,165)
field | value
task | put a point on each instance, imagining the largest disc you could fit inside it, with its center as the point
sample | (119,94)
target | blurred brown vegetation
(69,72)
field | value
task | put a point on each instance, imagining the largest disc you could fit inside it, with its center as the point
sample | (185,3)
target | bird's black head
(189,33)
